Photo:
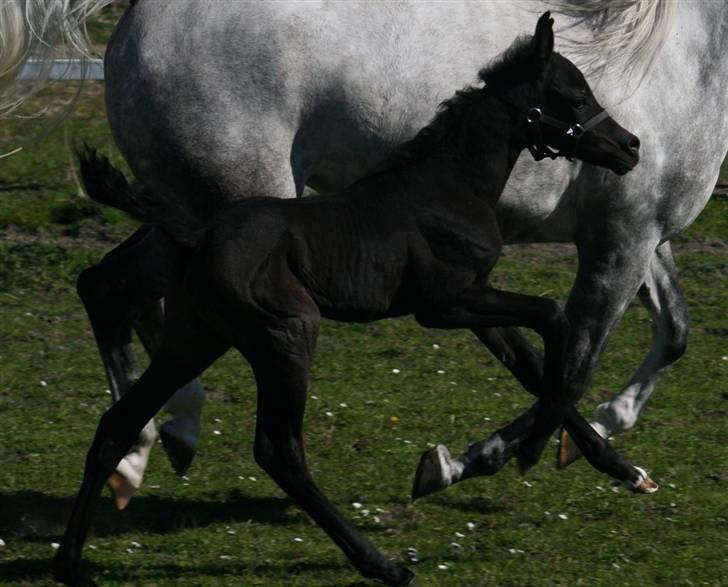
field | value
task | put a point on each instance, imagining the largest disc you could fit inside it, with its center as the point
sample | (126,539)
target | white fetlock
(643,483)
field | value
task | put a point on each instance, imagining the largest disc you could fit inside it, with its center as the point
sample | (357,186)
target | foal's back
(345,255)
(386,246)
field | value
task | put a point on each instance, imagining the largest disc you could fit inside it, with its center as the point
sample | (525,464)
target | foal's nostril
(633,145)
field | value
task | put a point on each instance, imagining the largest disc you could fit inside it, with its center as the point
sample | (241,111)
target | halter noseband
(538,149)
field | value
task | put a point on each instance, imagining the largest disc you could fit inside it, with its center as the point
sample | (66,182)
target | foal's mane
(447,130)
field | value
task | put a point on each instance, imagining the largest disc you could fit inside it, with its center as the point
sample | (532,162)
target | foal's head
(550,96)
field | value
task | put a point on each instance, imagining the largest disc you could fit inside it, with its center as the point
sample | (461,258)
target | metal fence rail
(64,69)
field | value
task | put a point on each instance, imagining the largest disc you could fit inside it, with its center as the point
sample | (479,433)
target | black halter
(536,146)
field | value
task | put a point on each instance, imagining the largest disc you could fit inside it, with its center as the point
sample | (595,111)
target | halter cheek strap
(536,146)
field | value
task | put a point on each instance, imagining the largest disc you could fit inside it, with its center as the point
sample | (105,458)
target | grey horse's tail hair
(108,185)
(43,29)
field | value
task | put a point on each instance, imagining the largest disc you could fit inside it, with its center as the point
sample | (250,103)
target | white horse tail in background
(41,30)
(623,36)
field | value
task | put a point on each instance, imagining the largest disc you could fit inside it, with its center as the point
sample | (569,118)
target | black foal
(420,237)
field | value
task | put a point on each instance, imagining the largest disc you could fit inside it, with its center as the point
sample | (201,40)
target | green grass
(563,528)
(677,536)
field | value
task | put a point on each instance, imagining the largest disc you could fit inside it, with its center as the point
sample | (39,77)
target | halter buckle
(576,131)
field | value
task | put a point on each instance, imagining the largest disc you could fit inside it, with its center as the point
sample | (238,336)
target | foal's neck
(490,141)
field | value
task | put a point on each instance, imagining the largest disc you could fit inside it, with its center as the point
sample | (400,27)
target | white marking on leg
(134,463)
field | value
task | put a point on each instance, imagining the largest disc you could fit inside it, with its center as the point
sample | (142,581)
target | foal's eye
(580,104)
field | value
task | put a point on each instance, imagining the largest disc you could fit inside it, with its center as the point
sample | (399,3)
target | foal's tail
(107,185)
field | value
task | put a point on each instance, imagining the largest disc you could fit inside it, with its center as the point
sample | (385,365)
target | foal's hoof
(643,484)
(179,452)
(414,582)
(433,472)
(568,451)
(68,572)
(121,490)
(64,570)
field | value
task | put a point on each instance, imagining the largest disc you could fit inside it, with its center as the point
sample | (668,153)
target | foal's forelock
(617,38)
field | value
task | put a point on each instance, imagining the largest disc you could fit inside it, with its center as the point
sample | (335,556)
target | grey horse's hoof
(644,483)
(121,489)
(179,453)
(568,451)
(414,582)
(433,472)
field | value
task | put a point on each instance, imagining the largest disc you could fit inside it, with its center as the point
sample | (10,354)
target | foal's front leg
(485,307)
(438,470)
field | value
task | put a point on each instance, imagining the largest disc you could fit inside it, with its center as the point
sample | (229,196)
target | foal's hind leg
(485,307)
(281,359)
(118,293)
(438,470)
(186,352)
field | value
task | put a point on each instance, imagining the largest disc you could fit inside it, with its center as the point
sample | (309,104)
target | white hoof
(433,473)
(122,490)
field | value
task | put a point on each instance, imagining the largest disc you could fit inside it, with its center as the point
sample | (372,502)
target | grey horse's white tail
(43,30)
(107,185)
(621,37)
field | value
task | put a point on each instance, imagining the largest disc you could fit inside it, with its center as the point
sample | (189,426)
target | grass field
(227,524)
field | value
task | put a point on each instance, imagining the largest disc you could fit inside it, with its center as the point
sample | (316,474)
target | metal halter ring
(533,115)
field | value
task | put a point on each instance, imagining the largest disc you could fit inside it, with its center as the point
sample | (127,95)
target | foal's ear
(543,40)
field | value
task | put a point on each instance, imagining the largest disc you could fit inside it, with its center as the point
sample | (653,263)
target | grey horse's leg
(180,434)
(116,292)
(661,295)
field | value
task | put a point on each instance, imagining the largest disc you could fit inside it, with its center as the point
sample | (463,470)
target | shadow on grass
(36,570)
(25,186)
(471,504)
(36,517)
